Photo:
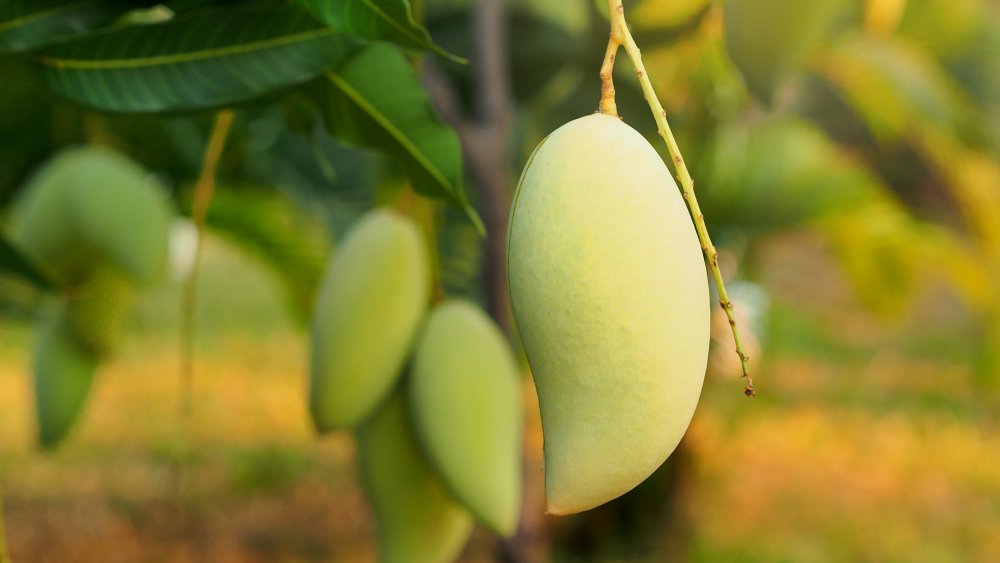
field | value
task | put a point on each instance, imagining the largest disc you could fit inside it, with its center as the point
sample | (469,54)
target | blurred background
(845,153)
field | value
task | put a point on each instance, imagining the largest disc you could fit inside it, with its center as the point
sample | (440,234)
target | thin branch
(4,554)
(203,192)
(620,33)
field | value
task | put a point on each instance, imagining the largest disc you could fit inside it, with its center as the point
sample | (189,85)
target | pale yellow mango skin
(368,310)
(464,392)
(610,294)
(417,520)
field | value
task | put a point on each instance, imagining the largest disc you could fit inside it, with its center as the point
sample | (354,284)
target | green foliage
(376,101)
(13,262)
(292,243)
(204,59)
(390,20)
(26,24)
(464,393)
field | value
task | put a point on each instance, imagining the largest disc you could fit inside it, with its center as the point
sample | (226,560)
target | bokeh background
(846,156)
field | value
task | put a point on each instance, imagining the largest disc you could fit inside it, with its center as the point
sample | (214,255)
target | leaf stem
(620,35)
(203,191)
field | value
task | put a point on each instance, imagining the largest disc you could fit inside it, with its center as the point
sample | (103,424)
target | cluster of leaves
(143,76)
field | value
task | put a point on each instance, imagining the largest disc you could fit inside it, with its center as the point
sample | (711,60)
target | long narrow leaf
(210,58)
(27,24)
(13,262)
(377,102)
(389,20)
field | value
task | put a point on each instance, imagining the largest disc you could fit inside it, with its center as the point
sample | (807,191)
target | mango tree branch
(4,554)
(620,34)
(203,192)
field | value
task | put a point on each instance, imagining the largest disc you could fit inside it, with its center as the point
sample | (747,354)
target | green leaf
(377,102)
(27,24)
(896,88)
(389,20)
(209,58)
(14,262)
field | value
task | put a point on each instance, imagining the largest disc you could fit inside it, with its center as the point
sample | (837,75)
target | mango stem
(203,192)
(4,554)
(621,36)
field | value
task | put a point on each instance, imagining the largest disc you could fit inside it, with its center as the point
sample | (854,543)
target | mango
(768,40)
(610,294)
(98,309)
(417,521)
(465,397)
(118,209)
(368,309)
(63,372)
(91,207)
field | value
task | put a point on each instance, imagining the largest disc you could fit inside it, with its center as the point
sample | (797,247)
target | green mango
(769,39)
(417,521)
(63,372)
(118,208)
(368,309)
(97,310)
(465,397)
(43,228)
(91,207)
(610,294)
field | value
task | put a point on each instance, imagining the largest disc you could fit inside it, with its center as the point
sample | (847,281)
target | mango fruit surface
(63,372)
(92,207)
(465,397)
(98,309)
(417,521)
(368,309)
(610,295)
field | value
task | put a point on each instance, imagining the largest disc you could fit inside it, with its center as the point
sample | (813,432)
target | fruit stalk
(621,36)
(203,191)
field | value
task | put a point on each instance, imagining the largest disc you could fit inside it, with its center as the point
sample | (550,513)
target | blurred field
(869,442)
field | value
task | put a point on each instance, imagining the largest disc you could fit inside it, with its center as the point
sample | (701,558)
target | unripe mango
(92,207)
(465,398)
(418,522)
(368,309)
(97,310)
(610,295)
(769,39)
(63,369)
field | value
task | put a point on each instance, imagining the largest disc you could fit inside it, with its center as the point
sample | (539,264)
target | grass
(859,448)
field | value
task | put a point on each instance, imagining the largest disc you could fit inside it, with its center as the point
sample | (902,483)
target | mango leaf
(389,20)
(887,255)
(208,58)
(27,24)
(896,88)
(12,261)
(377,102)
